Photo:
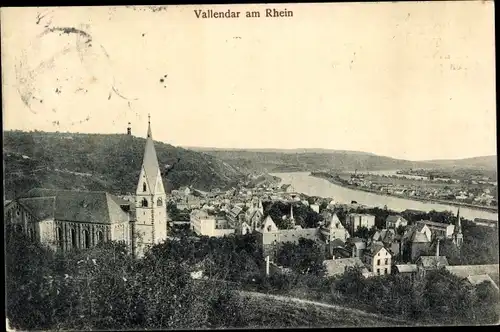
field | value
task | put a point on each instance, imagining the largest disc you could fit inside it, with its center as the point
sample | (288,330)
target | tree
(365,233)
(304,257)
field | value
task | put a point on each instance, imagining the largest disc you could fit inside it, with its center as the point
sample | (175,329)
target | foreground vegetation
(104,288)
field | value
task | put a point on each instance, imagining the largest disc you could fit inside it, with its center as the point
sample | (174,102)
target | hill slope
(102,162)
(317,160)
(484,162)
(273,311)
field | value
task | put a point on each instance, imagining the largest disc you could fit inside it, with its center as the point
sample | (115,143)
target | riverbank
(417,199)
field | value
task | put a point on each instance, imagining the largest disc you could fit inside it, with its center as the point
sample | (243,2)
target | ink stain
(161,80)
(143,34)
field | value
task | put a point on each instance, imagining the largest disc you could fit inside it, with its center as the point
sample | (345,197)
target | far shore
(426,200)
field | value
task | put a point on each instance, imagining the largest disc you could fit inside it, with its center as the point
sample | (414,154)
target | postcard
(250,166)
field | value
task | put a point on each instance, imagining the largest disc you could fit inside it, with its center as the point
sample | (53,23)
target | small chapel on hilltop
(69,219)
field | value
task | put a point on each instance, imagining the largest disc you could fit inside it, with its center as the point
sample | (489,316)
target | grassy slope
(270,311)
(113,162)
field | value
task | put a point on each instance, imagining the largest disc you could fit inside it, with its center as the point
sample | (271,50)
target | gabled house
(416,240)
(287,188)
(332,228)
(356,246)
(438,229)
(377,259)
(405,269)
(337,267)
(430,263)
(395,221)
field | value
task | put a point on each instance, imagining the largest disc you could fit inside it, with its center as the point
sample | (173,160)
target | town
(465,189)
(279,232)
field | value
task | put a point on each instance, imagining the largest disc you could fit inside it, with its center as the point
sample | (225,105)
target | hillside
(102,162)
(483,162)
(272,311)
(317,160)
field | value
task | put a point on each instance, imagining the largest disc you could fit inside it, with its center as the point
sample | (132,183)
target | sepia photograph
(250,166)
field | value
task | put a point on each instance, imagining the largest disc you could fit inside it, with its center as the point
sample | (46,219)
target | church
(69,219)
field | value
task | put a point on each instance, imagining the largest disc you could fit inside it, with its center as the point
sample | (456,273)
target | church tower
(151,212)
(260,207)
(458,237)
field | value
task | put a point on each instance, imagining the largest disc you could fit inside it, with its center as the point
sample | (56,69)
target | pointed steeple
(150,135)
(260,207)
(458,226)
(150,161)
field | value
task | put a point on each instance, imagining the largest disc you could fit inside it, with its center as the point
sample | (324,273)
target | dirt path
(325,305)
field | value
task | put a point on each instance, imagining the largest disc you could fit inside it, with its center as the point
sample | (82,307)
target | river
(313,186)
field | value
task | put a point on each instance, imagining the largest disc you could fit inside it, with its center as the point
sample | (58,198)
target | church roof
(78,206)
(150,161)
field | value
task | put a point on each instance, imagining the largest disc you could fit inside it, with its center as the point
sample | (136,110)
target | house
(270,237)
(416,240)
(377,259)
(337,267)
(186,191)
(355,220)
(406,269)
(287,188)
(356,246)
(236,215)
(204,223)
(395,221)
(430,263)
(465,271)
(479,279)
(333,228)
(315,207)
(438,229)
(390,239)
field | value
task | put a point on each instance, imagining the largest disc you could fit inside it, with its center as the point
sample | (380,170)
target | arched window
(31,234)
(73,238)
(144,188)
(159,202)
(144,202)
(269,228)
(86,239)
(60,239)
(99,237)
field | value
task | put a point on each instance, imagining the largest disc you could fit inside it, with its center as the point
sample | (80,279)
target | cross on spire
(149,126)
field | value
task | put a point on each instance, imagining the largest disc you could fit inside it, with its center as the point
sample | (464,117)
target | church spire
(150,135)
(459,223)
(150,165)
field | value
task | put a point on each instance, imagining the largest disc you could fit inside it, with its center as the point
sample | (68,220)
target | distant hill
(303,150)
(102,162)
(484,162)
(262,160)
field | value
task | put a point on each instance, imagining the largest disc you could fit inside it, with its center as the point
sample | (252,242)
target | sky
(407,80)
